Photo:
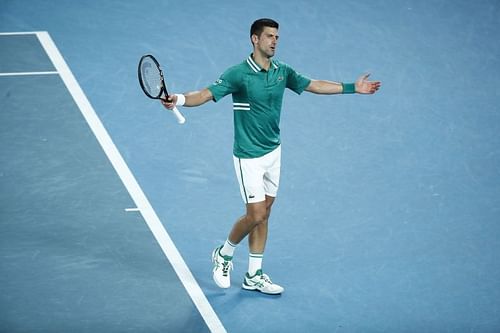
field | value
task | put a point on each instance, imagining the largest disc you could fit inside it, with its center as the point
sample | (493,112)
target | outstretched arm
(194,98)
(362,86)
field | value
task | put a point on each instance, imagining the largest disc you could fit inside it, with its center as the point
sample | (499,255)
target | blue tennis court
(388,214)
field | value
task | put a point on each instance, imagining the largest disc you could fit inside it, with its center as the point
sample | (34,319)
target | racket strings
(151,78)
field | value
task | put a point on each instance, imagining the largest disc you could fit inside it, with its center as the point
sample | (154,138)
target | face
(266,43)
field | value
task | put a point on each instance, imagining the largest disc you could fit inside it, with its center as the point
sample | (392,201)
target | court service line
(28,73)
(18,33)
(128,179)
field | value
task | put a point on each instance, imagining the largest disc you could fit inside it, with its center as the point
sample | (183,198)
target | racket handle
(178,115)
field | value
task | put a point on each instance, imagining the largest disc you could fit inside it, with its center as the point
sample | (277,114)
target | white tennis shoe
(261,282)
(222,267)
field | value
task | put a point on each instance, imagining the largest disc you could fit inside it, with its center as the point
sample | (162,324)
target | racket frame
(163,88)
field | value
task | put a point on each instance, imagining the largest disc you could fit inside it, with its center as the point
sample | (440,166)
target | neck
(261,60)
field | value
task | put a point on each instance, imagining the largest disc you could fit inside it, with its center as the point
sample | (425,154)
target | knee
(258,218)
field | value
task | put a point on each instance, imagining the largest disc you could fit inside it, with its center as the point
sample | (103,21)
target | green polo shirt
(257,100)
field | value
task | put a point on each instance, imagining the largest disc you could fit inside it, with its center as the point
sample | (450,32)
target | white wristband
(181,99)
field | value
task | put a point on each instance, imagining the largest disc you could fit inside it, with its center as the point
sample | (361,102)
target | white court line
(28,73)
(128,179)
(19,33)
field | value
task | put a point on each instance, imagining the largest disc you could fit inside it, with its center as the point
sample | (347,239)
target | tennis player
(257,86)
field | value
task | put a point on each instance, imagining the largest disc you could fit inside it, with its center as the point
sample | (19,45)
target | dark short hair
(259,25)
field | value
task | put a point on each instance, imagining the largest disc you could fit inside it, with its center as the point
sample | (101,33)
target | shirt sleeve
(296,81)
(225,85)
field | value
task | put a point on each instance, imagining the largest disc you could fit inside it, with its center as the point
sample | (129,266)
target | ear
(254,38)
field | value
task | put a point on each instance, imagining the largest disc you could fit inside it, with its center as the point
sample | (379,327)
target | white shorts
(259,176)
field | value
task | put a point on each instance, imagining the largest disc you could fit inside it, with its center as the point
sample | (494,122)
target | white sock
(254,263)
(228,249)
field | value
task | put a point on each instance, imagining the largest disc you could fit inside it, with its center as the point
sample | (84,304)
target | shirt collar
(256,68)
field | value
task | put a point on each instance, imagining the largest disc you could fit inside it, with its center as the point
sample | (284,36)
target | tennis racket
(152,82)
